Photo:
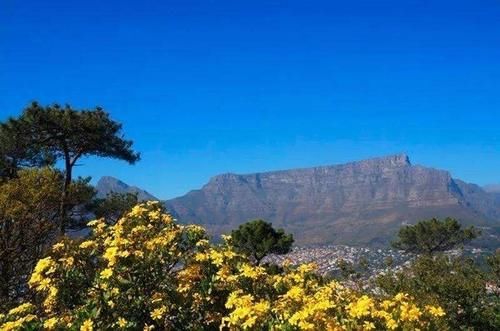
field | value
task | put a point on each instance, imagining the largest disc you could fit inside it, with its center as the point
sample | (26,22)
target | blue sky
(205,87)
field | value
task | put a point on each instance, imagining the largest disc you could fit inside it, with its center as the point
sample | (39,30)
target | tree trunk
(64,196)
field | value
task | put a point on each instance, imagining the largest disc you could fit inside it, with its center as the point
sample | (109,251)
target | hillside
(359,203)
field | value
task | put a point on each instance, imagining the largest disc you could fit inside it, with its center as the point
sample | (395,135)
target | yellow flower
(217,257)
(306,268)
(51,323)
(362,307)
(58,246)
(110,255)
(21,309)
(410,312)
(106,273)
(122,322)
(86,244)
(227,239)
(92,223)
(44,266)
(67,261)
(44,284)
(201,257)
(368,326)
(124,254)
(249,322)
(88,325)
(251,272)
(202,243)
(386,304)
(158,313)
(391,324)
(401,297)
(295,293)
(435,311)
(154,215)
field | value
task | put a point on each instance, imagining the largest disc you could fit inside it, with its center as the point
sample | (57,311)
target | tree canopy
(18,151)
(434,235)
(47,134)
(258,238)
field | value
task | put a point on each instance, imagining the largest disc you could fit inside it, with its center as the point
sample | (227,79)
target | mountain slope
(359,203)
(109,184)
(493,188)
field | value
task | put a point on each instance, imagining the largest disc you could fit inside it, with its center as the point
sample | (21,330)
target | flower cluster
(149,272)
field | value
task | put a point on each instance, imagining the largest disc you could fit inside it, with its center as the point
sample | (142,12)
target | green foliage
(431,236)
(456,284)
(18,151)
(71,134)
(494,264)
(114,206)
(258,239)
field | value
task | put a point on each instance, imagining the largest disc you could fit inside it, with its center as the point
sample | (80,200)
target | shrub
(147,271)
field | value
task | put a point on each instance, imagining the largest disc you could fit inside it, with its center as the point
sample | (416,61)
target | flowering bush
(149,272)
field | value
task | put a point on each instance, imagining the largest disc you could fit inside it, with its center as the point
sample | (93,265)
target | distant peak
(109,179)
(108,184)
(400,159)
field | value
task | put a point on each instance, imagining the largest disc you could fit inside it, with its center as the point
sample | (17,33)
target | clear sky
(205,87)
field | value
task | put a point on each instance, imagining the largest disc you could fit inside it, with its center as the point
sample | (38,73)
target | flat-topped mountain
(109,184)
(359,203)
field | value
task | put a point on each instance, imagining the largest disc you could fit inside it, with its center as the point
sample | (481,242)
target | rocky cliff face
(109,184)
(356,203)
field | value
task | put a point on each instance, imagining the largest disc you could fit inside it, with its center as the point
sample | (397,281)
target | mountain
(493,188)
(109,184)
(359,203)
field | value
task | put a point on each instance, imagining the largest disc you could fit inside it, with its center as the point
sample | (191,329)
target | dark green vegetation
(38,201)
(258,239)
(431,236)
(114,205)
(467,291)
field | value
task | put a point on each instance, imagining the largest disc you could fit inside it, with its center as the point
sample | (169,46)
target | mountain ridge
(334,204)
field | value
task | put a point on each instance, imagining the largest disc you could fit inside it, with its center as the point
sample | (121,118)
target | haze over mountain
(492,188)
(359,203)
(108,184)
